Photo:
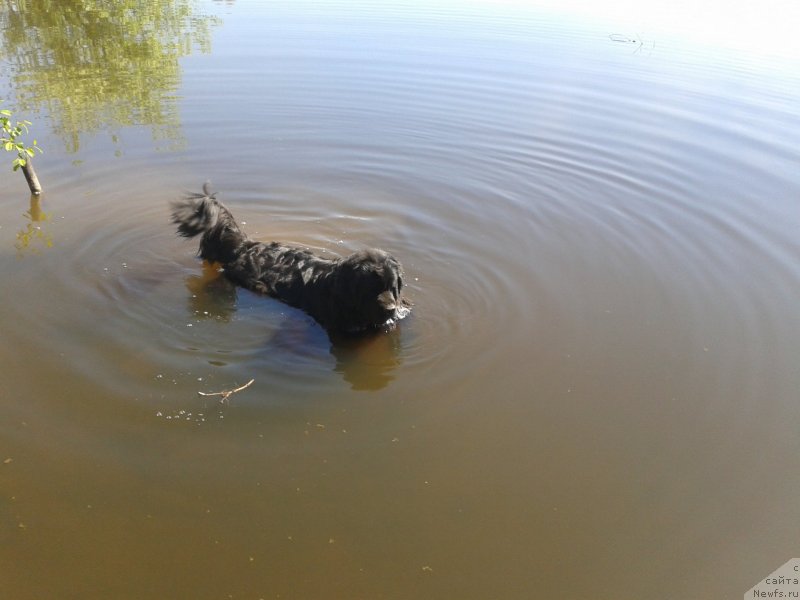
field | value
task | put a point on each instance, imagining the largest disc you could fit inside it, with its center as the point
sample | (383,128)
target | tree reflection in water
(35,235)
(98,67)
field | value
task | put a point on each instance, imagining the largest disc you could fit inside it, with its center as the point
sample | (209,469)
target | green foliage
(9,134)
(96,65)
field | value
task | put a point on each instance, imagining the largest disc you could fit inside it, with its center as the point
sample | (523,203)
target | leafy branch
(9,140)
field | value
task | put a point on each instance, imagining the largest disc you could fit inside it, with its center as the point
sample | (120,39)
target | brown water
(595,396)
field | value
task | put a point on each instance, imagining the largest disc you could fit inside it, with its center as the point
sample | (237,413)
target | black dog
(352,294)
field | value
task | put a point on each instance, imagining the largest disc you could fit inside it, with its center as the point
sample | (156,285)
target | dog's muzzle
(395,309)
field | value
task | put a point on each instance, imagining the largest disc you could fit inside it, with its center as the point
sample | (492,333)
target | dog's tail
(202,214)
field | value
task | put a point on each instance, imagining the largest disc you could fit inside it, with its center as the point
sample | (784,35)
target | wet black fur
(359,292)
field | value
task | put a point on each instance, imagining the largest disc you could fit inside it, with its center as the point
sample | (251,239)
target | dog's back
(202,214)
(356,293)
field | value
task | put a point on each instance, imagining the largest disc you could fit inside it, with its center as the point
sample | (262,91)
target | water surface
(595,394)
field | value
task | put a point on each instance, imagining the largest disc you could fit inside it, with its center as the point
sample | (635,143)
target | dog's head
(367,291)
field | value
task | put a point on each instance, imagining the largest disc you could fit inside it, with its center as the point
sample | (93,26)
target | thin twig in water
(227,393)
(639,43)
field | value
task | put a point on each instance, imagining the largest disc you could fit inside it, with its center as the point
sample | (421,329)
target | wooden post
(31,178)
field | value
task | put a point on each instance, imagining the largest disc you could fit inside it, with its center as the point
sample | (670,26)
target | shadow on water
(100,67)
(366,361)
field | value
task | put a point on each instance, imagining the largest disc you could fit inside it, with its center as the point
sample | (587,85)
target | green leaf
(28,151)
(9,146)
(5,112)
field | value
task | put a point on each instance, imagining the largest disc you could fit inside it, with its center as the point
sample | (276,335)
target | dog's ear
(356,289)
(366,290)
(345,296)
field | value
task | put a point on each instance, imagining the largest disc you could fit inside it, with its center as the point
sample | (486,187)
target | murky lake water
(596,394)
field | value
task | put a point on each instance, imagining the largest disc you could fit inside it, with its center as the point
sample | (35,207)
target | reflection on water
(596,394)
(212,295)
(367,362)
(100,67)
(364,361)
(35,236)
